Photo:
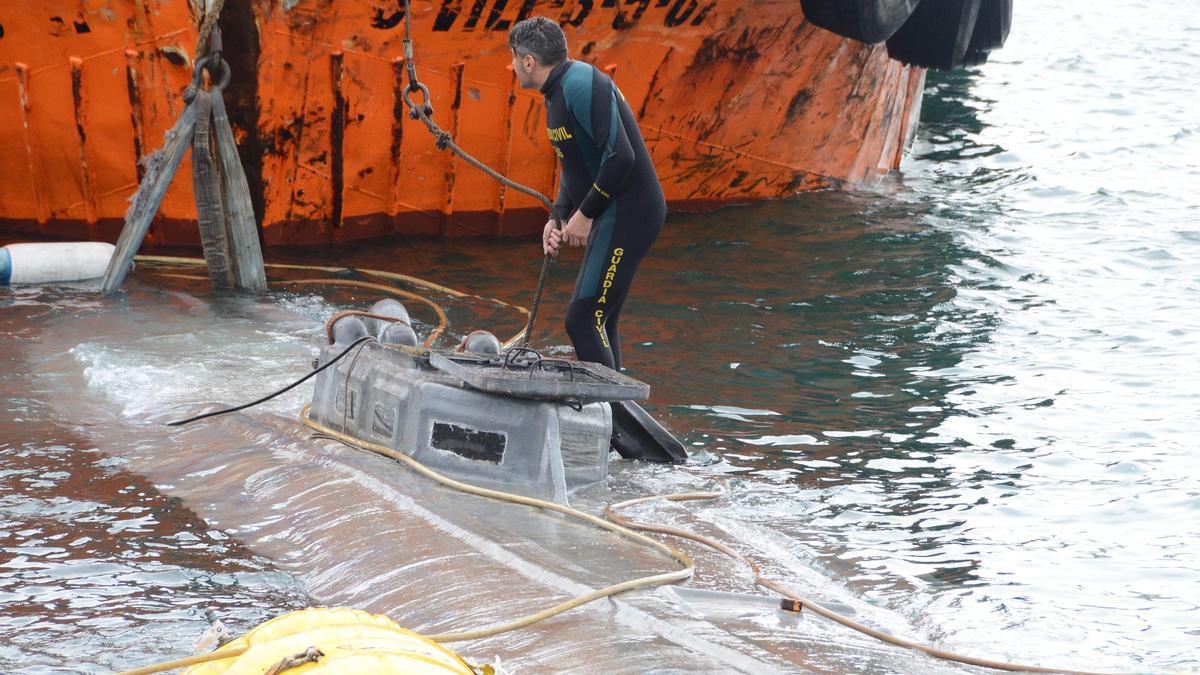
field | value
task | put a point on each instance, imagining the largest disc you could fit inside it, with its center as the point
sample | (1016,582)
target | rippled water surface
(962,404)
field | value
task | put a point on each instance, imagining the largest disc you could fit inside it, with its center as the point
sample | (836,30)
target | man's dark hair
(540,37)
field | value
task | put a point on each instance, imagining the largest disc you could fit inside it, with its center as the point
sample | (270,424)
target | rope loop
(189,94)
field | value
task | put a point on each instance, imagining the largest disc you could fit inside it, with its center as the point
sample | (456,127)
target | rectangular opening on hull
(484,446)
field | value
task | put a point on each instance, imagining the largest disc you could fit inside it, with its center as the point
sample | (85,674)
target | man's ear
(529,62)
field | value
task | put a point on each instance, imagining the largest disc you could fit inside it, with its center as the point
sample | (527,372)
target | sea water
(960,403)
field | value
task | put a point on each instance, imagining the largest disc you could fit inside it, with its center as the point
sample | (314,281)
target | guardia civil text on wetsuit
(606,175)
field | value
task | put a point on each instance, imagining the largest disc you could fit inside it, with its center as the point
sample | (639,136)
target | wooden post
(244,248)
(210,210)
(160,169)
(223,208)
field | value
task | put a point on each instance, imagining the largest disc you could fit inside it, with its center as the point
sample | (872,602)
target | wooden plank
(244,248)
(206,182)
(160,169)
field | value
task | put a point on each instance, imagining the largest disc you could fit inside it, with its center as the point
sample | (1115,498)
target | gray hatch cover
(526,374)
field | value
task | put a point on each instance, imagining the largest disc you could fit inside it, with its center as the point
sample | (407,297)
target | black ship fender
(869,21)
(991,31)
(948,34)
(937,34)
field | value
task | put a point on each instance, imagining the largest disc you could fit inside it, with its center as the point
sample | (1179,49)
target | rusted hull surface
(738,101)
(86,88)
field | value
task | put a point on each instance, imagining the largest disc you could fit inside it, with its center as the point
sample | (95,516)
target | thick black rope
(424,113)
(268,397)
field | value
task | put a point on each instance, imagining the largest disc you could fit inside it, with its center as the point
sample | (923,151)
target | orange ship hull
(737,101)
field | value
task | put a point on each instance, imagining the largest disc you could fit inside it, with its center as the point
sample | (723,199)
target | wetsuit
(607,175)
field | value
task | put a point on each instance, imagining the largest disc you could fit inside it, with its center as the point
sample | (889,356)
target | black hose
(268,397)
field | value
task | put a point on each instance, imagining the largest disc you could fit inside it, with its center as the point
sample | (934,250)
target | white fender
(43,263)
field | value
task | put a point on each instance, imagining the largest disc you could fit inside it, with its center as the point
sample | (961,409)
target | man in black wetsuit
(608,195)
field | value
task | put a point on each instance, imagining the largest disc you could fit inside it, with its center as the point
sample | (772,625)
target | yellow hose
(805,603)
(186,661)
(200,262)
(642,582)
(443,321)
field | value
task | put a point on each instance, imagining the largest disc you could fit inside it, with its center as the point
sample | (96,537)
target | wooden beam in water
(206,183)
(244,247)
(160,169)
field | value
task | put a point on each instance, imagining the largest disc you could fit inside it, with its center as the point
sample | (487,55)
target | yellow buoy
(349,641)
